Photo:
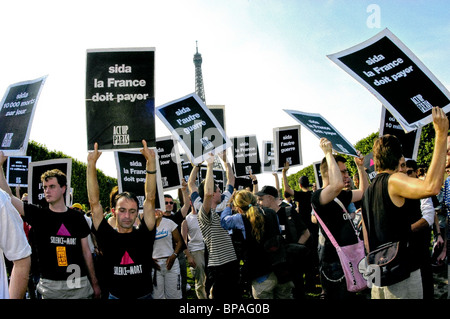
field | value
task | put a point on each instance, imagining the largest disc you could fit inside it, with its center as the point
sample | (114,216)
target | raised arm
(93,188)
(192,179)
(228,169)
(209,185)
(186,199)
(333,183)
(150,186)
(17,202)
(357,194)
(286,186)
(403,186)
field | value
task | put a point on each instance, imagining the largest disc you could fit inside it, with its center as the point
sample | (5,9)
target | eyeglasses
(410,171)
(169,203)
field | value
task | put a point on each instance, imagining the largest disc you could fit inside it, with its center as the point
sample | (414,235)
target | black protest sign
(218,175)
(287,146)
(268,157)
(410,141)
(320,127)
(219,113)
(35,186)
(246,155)
(318,174)
(243,182)
(369,165)
(16,115)
(186,166)
(194,127)
(169,163)
(120,99)
(17,170)
(131,172)
(390,71)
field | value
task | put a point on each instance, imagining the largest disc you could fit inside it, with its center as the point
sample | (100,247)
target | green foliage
(39,152)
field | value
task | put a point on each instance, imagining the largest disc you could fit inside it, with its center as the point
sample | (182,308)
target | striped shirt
(217,239)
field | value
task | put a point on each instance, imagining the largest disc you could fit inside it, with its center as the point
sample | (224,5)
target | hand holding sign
(326,146)
(440,121)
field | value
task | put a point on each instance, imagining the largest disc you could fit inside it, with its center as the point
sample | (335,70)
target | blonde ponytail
(246,201)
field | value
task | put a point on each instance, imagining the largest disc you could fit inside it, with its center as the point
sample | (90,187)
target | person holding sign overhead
(386,209)
(127,251)
(327,202)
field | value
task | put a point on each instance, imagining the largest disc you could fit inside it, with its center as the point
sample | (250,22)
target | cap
(77,205)
(268,190)
(304,181)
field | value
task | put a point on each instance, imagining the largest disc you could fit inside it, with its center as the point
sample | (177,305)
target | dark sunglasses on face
(169,203)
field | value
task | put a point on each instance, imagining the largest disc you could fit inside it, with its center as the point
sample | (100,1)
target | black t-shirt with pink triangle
(127,261)
(57,241)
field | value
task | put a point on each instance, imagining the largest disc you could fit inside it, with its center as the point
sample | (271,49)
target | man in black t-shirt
(60,236)
(334,172)
(127,251)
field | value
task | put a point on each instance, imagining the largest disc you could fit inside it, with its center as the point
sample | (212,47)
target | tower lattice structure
(199,88)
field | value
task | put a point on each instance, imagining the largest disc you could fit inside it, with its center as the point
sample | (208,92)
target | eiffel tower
(199,89)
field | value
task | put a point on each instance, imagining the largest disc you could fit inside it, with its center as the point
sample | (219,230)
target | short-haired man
(386,210)
(127,251)
(325,202)
(61,239)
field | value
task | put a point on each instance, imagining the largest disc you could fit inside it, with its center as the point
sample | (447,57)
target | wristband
(150,172)
(176,255)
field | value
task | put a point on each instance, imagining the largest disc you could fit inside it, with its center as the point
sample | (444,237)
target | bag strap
(348,215)
(327,231)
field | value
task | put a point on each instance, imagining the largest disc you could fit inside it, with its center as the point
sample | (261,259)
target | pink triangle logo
(63,231)
(371,162)
(126,259)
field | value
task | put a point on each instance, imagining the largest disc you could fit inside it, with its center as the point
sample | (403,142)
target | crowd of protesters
(237,242)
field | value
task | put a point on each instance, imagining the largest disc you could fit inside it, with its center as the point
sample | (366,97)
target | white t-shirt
(163,246)
(13,242)
(196,241)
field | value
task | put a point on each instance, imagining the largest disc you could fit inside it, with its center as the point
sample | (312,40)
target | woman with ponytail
(257,225)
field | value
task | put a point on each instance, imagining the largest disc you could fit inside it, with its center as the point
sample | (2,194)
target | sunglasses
(169,203)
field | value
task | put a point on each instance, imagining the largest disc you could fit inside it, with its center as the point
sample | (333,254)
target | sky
(259,57)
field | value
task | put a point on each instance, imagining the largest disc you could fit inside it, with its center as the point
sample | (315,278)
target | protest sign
(186,166)
(390,71)
(287,146)
(218,175)
(17,110)
(35,187)
(369,166)
(131,174)
(120,101)
(194,127)
(320,127)
(219,113)
(317,174)
(246,155)
(268,157)
(169,163)
(17,170)
(410,141)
